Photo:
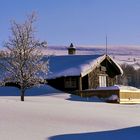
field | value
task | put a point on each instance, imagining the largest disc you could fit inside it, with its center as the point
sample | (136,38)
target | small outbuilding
(114,94)
(119,93)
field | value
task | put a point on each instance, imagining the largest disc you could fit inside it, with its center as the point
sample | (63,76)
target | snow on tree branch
(23,60)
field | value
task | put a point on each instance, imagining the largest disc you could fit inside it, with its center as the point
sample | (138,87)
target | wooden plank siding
(129,96)
(89,81)
(93,78)
(125,97)
(98,93)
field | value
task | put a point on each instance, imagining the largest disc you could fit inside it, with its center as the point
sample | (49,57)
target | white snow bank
(112,98)
(121,87)
(118,87)
(115,87)
(84,99)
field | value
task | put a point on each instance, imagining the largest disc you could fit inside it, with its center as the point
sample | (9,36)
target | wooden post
(80,85)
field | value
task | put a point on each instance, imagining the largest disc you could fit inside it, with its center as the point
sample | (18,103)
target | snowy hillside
(61,116)
(122,54)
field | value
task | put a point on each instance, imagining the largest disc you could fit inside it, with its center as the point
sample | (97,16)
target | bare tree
(130,76)
(23,61)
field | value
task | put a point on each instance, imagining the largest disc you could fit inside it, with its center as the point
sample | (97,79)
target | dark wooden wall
(59,83)
(89,81)
(93,78)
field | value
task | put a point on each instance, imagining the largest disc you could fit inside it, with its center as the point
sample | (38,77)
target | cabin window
(70,82)
(102,80)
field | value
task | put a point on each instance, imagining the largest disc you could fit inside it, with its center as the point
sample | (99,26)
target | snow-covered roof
(74,65)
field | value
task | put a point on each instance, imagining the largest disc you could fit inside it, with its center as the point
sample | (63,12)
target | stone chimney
(71,49)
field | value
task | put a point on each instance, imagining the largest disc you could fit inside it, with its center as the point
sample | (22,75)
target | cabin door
(102,81)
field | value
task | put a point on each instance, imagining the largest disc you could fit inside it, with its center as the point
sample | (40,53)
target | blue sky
(83,22)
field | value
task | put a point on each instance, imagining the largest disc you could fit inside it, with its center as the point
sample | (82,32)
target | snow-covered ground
(61,116)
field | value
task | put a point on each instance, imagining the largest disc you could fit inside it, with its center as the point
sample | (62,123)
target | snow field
(53,115)
(41,117)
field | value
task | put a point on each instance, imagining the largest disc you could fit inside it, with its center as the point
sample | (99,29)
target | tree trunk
(22,94)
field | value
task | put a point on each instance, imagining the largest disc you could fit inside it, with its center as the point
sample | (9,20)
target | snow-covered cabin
(80,72)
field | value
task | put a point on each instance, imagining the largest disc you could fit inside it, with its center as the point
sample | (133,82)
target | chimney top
(71,49)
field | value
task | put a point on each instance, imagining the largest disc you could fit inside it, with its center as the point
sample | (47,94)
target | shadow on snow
(132,133)
(84,99)
(35,91)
